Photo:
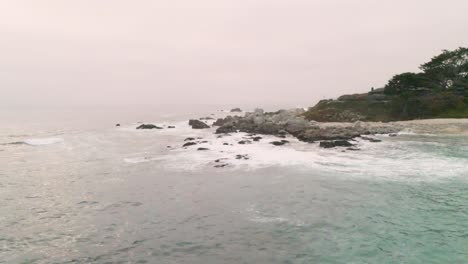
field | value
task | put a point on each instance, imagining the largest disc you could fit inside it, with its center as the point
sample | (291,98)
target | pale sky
(215,51)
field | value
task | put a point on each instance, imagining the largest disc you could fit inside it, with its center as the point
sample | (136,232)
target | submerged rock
(148,126)
(203,149)
(197,124)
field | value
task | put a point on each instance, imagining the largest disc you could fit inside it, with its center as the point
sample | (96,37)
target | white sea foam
(42,141)
(392,159)
(136,160)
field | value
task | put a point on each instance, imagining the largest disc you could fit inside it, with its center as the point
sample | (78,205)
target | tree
(406,82)
(448,68)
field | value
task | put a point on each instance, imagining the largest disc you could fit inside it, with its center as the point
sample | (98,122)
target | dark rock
(148,126)
(279,143)
(221,165)
(342,143)
(206,118)
(245,156)
(189,139)
(256,138)
(203,149)
(204,141)
(327,144)
(336,143)
(189,144)
(197,124)
(371,139)
(219,122)
(171,127)
(225,144)
(117,125)
(243,142)
(393,135)
(236,110)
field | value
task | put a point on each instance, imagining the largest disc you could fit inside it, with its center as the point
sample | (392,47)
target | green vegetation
(440,90)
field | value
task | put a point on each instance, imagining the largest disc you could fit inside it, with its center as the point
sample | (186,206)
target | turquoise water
(101,194)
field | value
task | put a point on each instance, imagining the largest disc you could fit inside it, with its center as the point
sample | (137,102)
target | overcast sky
(215,51)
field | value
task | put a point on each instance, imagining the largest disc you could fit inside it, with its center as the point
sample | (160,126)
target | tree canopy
(448,70)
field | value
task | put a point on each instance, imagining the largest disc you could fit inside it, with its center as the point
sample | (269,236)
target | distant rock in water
(206,118)
(171,127)
(148,126)
(197,124)
(234,110)
(201,149)
(117,125)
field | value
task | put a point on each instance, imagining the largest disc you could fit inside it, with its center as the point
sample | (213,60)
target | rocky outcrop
(197,124)
(294,123)
(148,126)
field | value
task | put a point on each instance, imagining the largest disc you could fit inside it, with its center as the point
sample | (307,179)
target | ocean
(75,188)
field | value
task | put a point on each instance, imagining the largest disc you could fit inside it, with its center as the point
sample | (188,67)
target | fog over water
(215,51)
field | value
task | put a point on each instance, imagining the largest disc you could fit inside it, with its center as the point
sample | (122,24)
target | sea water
(74,188)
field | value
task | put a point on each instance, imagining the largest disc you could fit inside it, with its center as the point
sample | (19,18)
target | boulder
(117,125)
(201,149)
(148,126)
(234,110)
(197,124)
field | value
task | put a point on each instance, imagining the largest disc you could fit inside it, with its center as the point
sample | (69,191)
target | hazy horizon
(215,51)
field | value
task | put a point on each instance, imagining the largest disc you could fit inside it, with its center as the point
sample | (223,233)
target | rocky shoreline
(293,122)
